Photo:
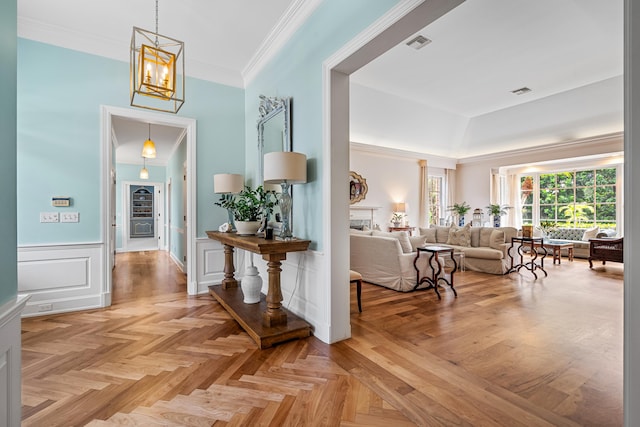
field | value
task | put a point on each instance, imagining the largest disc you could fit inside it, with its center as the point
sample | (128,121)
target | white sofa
(486,249)
(386,259)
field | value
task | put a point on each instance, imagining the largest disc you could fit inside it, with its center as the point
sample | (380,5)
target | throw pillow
(485,237)
(460,236)
(497,239)
(442,234)
(417,241)
(429,233)
(590,233)
(475,236)
(402,237)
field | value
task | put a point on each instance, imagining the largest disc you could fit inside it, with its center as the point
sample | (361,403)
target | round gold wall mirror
(357,187)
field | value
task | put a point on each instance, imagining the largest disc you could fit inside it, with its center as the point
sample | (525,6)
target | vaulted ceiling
(452,97)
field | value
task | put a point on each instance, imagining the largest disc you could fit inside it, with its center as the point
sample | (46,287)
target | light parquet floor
(509,351)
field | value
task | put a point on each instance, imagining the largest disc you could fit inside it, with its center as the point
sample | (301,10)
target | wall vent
(418,42)
(521,91)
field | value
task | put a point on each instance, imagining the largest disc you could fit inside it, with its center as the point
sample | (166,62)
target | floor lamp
(285,168)
(228,184)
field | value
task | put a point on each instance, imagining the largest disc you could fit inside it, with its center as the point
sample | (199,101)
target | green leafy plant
(397,217)
(249,205)
(460,208)
(495,209)
(548,226)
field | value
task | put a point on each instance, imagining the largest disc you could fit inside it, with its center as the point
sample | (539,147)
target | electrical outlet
(69,217)
(49,217)
(45,307)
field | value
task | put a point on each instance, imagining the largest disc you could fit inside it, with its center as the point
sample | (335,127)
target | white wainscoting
(303,293)
(10,365)
(210,263)
(61,278)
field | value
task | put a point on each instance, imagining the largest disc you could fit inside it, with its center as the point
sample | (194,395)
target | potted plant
(396,219)
(460,209)
(496,211)
(249,207)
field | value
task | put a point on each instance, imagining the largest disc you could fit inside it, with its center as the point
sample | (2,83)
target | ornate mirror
(274,134)
(357,188)
(274,129)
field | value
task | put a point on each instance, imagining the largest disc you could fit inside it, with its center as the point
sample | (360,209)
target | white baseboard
(61,278)
(10,363)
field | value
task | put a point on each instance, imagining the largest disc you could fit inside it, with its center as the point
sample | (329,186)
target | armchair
(605,250)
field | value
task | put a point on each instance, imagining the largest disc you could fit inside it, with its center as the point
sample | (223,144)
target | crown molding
(292,19)
(432,160)
(614,140)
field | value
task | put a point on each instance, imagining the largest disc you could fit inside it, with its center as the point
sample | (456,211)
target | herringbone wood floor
(509,351)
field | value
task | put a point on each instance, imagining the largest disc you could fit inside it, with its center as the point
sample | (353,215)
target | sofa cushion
(442,234)
(417,241)
(497,239)
(590,233)
(485,236)
(361,232)
(429,233)
(482,253)
(460,236)
(402,237)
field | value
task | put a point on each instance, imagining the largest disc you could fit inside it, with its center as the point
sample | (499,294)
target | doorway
(109,142)
(143,216)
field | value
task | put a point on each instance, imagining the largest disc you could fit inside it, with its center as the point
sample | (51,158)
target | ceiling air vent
(521,91)
(418,42)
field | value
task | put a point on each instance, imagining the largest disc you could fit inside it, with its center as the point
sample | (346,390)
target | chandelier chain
(156,23)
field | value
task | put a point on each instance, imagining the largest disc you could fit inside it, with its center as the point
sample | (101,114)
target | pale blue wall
(60,92)
(8,259)
(131,173)
(175,174)
(297,72)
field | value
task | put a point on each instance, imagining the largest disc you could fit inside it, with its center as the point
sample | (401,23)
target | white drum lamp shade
(225,183)
(285,166)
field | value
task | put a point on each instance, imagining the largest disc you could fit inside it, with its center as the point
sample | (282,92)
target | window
(436,199)
(570,199)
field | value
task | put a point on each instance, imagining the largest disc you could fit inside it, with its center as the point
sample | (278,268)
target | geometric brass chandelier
(156,70)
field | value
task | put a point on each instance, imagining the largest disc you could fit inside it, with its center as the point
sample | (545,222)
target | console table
(267,322)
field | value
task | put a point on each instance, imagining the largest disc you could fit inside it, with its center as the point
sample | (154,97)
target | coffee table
(556,246)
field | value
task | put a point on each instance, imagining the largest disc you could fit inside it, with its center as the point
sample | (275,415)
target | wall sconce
(156,70)
(228,184)
(285,168)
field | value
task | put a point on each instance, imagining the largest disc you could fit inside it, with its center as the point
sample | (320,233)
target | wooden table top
(259,245)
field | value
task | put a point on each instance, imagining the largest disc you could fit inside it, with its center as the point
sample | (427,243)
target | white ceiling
(480,52)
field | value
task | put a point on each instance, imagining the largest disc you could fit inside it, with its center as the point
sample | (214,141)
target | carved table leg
(274,315)
(229,280)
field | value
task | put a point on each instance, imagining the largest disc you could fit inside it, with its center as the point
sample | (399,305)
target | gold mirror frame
(357,188)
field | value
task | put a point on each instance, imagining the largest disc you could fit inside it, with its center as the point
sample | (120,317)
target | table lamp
(228,184)
(285,168)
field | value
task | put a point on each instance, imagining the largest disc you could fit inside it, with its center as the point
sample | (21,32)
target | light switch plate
(49,217)
(69,217)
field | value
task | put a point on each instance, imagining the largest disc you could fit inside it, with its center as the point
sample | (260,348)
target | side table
(407,228)
(532,265)
(436,252)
